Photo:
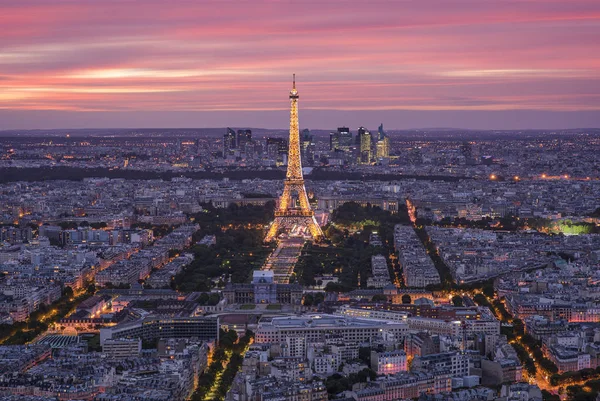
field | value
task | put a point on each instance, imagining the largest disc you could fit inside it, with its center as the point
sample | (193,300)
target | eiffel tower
(294,209)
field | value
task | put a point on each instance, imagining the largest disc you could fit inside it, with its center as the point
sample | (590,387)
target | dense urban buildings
(97,262)
(300,251)
(401,268)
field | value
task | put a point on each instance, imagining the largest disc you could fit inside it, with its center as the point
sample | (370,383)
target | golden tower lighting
(294,209)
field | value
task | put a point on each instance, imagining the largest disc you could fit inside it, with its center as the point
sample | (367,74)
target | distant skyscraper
(380,132)
(383,148)
(307,148)
(249,147)
(365,146)
(467,151)
(334,141)
(232,133)
(383,144)
(345,138)
(276,146)
(341,139)
(243,137)
(229,142)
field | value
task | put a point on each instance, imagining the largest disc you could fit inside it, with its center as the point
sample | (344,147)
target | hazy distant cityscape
(454,265)
(528,155)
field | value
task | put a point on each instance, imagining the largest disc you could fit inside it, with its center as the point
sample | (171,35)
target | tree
(364,354)
(379,298)
(68,225)
(530,367)
(335,287)
(227,338)
(319,298)
(548,396)
(518,326)
(488,288)
(213,299)
(203,298)
(43,308)
(481,300)
(337,383)
(457,300)
(68,292)
(366,375)
(91,289)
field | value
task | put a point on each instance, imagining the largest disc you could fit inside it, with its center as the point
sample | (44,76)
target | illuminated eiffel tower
(294,210)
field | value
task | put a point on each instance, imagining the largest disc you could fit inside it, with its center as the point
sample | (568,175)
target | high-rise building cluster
(365,148)
(240,140)
(345,147)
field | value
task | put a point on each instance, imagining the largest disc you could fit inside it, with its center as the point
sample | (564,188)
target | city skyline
(501,65)
(176,224)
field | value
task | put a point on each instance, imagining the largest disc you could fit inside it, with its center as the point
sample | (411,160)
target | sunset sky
(430,63)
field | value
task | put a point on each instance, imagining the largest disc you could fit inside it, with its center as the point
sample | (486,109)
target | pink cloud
(425,55)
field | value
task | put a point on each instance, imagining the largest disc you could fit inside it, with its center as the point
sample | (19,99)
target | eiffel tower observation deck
(294,213)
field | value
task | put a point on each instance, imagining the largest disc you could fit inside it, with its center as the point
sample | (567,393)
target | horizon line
(287,129)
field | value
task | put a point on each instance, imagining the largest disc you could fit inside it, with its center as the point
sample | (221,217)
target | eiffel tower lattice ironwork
(294,209)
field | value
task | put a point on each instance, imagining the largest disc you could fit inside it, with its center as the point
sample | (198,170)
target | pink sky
(208,63)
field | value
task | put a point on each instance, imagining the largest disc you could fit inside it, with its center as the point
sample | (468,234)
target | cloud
(521,73)
(239,56)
